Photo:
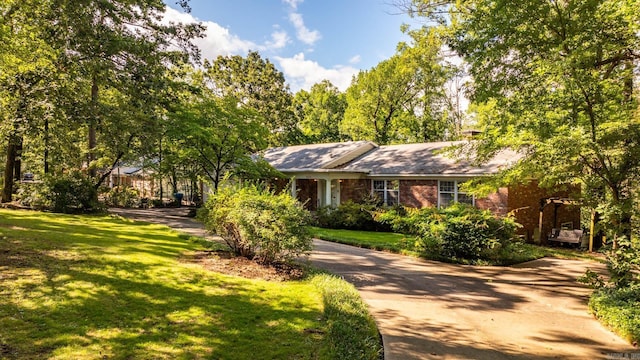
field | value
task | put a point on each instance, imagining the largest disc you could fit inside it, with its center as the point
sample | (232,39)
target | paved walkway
(431,310)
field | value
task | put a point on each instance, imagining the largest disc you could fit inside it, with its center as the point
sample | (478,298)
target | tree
(26,67)
(214,130)
(402,99)
(258,85)
(118,52)
(320,112)
(555,80)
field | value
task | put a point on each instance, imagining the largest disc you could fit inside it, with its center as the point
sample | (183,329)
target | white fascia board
(324,174)
(425,176)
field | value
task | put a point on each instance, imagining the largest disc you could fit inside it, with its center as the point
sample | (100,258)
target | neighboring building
(414,175)
(139,178)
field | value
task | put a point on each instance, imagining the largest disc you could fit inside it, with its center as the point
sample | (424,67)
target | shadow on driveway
(432,310)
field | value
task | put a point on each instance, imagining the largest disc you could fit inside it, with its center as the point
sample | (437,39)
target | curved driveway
(432,310)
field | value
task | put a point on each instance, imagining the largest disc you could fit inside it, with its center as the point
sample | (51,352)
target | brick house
(413,175)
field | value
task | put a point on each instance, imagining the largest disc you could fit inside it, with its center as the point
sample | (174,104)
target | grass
(384,241)
(404,244)
(93,287)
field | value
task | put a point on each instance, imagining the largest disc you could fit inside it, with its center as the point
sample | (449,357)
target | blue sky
(308,40)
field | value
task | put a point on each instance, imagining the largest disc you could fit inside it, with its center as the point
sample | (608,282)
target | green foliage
(320,112)
(256,170)
(32,195)
(73,192)
(561,90)
(216,132)
(619,309)
(351,331)
(623,264)
(90,88)
(123,196)
(350,215)
(260,86)
(457,231)
(592,279)
(403,98)
(259,224)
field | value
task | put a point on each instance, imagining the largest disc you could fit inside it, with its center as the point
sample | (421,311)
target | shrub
(619,309)
(350,216)
(259,224)
(622,262)
(123,196)
(156,203)
(458,231)
(68,193)
(32,195)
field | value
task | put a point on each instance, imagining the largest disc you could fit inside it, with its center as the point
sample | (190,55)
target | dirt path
(431,310)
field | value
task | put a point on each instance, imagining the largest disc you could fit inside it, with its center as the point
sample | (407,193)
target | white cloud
(302,73)
(299,72)
(218,40)
(354,60)
(302,32)
(279,39)
(293,3)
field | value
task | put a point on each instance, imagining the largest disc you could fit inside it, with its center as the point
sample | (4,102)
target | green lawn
(93,287)
(367,239)
(400,243)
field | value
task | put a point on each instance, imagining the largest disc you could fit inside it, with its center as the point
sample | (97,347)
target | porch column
(327,192)
(294,189)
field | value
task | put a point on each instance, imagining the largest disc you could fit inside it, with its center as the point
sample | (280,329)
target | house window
(449,192)
(388,191)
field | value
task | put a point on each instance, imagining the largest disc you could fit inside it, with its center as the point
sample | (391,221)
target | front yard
(93,287)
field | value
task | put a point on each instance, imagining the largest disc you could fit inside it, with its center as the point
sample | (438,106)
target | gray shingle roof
(424,159)
(314,156)
(366,157)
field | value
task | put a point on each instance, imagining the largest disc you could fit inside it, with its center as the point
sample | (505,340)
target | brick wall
(497,202)
(354,189)
(419,193)
(524,202)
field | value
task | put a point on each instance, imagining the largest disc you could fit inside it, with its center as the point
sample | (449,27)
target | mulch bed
(225,262)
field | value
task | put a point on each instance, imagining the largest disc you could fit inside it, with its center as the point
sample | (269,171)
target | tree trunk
(92,126)
(46,146)
(160,169)
(7,190)
(17,167)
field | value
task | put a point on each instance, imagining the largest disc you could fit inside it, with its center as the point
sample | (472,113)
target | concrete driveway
(432,310)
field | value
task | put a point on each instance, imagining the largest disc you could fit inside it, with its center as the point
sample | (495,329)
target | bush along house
(412,175)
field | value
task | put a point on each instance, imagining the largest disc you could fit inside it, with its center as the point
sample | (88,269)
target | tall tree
(119,52)
(26,68)
(258,85)
(320,112)
(556,80)
(401,98)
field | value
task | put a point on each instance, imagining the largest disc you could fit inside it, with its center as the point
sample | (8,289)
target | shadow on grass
(77,287)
